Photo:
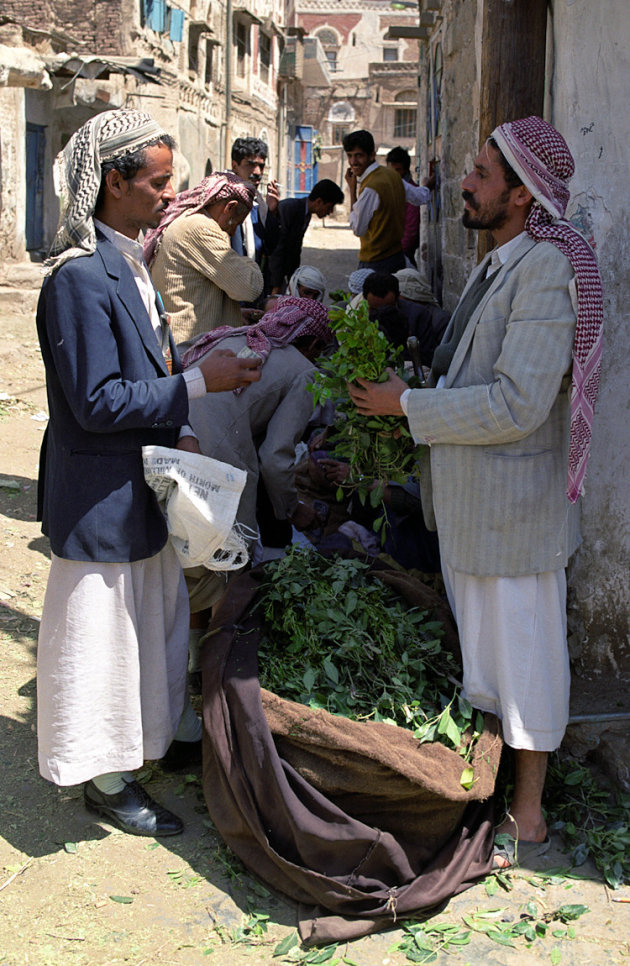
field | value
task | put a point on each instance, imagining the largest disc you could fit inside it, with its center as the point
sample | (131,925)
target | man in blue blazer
(295,215)
(508,448)
(114,632)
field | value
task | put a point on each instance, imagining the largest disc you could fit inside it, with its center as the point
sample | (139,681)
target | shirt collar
(372,167)
(500,255)
(127,246)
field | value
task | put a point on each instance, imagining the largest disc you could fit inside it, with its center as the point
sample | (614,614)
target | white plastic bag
(199,497)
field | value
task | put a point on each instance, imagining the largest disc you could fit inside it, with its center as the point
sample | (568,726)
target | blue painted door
(304,167)
(35,151)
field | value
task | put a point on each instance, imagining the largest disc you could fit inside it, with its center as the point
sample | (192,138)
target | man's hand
(351,181)
(304,516)
(251,316)
(273,196)
(190,444)
(222,370)
(378,398)
(335,471)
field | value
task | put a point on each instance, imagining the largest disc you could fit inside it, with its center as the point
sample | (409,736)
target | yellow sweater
(200,278)
(387,224)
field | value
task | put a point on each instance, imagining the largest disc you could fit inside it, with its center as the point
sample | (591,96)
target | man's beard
(493,217)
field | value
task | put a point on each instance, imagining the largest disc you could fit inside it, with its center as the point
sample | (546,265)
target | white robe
(111,666)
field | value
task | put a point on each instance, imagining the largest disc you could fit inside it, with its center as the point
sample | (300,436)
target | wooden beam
(512,66)
(409,33)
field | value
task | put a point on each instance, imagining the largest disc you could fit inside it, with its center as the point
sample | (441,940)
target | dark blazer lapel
(127,292)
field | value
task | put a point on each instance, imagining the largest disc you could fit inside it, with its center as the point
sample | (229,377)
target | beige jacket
(499,428)
(200,278)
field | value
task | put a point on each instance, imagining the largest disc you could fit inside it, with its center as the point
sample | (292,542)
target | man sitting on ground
(399,318)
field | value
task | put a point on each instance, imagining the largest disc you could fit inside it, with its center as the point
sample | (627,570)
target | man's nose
(466,183)
(169,192)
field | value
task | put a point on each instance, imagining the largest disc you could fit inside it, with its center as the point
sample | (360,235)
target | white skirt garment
(513,635)
(111,665)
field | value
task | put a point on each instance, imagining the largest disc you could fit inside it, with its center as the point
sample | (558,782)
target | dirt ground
(76,891)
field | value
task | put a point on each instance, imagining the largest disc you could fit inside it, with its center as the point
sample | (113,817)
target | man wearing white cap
(509,427)
(113,639)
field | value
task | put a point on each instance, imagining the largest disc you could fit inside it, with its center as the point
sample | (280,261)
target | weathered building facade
(370,79)
(206,69)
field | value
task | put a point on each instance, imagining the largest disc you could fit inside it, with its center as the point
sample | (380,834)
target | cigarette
(625,899)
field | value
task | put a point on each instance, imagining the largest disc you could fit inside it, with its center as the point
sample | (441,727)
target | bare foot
(530,830)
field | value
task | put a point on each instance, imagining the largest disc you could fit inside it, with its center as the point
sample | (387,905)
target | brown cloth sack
(355,821)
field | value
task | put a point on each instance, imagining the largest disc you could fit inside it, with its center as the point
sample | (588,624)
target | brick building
(206,69)
(371,80)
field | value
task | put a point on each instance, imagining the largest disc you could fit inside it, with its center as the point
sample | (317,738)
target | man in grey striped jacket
(508,446)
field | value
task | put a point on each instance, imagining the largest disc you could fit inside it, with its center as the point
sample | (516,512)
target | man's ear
(522,196)
(116,184)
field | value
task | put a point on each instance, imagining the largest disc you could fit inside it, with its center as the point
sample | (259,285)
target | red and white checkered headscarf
(224,186)
(542,160)
(289,319)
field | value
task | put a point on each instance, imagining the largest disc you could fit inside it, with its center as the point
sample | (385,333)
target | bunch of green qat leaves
(336,637)
(379,449)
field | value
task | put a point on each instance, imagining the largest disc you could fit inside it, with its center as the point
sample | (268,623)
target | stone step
(18,301)
(21,275)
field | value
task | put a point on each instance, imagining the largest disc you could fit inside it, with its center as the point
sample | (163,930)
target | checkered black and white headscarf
(541,158)
(77,175)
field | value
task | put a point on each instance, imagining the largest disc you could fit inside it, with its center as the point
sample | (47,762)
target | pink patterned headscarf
(541,158)
(289,319)
(223,186)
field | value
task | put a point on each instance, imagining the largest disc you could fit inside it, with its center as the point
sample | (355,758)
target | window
(153,15)
(405,122)
(327,38)
(330,42)
(241,40)
(264,49)
(339,132)
(390,54)
(331,57)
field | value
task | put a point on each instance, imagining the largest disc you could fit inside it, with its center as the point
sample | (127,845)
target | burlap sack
(355,821)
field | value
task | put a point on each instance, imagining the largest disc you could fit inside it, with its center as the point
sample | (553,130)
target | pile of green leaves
(336,637)
(377,448)
(423,942)
(594,821)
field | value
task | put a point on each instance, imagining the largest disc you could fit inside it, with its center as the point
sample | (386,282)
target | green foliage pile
(336,637)
(423,942)
(377,448)
(593,820)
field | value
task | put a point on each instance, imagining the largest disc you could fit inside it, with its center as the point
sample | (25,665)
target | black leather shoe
(132,810)
(181,755)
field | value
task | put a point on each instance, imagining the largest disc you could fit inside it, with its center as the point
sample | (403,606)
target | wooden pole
(512,68)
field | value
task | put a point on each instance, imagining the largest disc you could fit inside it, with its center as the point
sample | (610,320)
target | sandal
(515,851)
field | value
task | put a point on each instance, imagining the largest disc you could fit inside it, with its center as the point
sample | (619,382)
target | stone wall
(12,161)
(456,147)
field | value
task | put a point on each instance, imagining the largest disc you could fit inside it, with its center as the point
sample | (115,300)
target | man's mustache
(467,196)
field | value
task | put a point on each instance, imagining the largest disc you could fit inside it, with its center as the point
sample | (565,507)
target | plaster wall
(589,104)
(12,165)
(446,247)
